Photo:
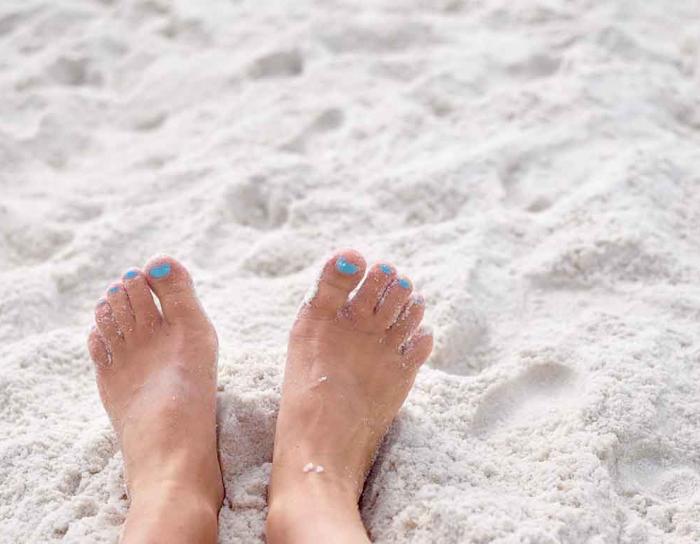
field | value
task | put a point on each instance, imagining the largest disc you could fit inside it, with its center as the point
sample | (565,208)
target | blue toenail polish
(101,302)
(345,267)
(385,268)
(403,282)
(130,275)
(113,290)
(160,271)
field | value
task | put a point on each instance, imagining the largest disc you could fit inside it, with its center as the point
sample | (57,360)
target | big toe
(340,275)
(173,286)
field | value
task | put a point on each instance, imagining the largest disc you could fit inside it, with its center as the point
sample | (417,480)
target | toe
(339,277)
(365,301)
(393,301)
(407,322)
(121,309)
(98,351)
(174,288)
(145,311)
(107,325)
(417,349)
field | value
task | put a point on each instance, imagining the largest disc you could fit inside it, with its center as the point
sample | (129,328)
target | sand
(532,165)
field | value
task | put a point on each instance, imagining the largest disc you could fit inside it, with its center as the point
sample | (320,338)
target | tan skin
(350,365)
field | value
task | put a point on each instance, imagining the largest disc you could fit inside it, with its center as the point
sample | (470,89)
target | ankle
(314,514)
(171,512)
(180,473)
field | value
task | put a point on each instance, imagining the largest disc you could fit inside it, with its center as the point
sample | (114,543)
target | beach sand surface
(533,166)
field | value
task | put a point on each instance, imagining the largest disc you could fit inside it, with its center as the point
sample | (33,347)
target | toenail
(385,268)
(113,289)
(418,299)
(131,274)
(160,271)
(101,301)
(346,267)
(403,282)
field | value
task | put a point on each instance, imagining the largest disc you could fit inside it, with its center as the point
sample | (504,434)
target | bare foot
(156,373)
(350,366)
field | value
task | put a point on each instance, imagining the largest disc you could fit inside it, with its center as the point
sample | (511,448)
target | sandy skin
(156,373)
(351,363)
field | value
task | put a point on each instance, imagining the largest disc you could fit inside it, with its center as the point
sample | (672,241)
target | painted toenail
(385,268)
(403,282)
(418,299)
(102,301)
(160,271)
(346,267)
(131,274)
(113,289)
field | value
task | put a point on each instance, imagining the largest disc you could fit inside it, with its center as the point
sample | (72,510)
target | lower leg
(317,511)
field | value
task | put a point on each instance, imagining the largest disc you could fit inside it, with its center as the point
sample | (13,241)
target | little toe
(373,287)
(145,311)
(393,301)
(98,351)
(121,309)
(408,321)
(174,288)
(418,347)
(107,325)
(339,277)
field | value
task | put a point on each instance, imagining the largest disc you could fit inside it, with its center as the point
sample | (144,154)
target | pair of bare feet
(351,362)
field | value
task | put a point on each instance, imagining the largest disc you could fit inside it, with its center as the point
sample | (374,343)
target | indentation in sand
(538,393)
(284,63)
(656,473)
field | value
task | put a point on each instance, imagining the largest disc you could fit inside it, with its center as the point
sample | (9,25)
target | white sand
(532,164)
